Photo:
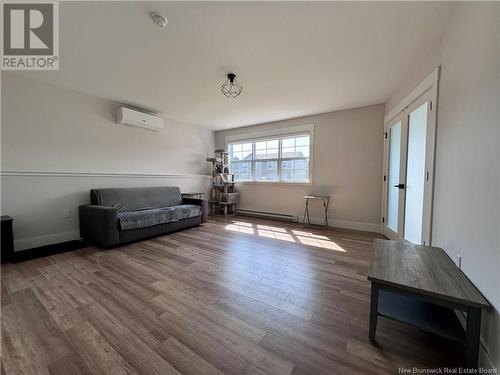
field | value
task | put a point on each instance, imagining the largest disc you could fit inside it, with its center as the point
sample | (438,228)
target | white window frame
(276,133)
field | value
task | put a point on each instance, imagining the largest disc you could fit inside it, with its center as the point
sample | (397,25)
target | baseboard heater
(267,215)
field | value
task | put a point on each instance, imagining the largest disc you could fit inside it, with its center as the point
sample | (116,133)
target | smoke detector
(158,19)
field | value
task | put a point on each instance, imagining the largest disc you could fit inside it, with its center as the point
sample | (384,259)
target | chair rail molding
(15,172)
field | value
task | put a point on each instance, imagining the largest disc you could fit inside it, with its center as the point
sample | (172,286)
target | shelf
(429,317)
(223,203)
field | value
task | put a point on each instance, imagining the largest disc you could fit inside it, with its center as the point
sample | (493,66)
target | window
(283,158)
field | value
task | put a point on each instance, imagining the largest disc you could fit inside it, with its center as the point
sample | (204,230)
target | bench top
(422,269)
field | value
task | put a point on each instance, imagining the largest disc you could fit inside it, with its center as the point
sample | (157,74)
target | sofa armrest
(99,225)
(201,202)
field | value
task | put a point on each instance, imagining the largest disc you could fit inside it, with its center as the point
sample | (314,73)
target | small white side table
(325,199)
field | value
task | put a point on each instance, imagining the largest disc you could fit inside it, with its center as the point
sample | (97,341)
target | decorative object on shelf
(193,195)
(223,197)
(231,87)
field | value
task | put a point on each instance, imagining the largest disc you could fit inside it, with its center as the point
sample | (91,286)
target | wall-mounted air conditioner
(129,116)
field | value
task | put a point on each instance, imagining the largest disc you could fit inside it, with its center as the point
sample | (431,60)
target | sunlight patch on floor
(309,234)
(283,234)
(240,228)
(276,235)
(243,224)
(274,229)
(320,243)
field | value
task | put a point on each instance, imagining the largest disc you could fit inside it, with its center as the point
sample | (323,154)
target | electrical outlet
(66,213)
(459,261)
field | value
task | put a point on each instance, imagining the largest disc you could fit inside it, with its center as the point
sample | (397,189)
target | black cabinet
(7,239)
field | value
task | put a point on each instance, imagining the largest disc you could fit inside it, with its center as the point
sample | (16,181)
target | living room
(237,187)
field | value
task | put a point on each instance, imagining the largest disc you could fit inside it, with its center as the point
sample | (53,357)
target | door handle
(400,186)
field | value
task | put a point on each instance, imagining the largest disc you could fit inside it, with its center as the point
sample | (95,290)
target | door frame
(427,90)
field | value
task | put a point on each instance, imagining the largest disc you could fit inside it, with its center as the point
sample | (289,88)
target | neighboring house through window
(284,157)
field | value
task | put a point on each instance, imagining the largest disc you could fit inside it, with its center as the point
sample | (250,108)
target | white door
(395,178)
(408,172)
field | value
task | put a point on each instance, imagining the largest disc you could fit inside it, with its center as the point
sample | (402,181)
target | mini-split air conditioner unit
(129,116)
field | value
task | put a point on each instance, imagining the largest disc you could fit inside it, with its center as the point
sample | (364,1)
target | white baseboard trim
(265,214)
(345,224)
(101,174)
(47,239)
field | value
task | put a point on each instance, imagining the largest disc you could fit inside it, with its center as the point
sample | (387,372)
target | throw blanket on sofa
(148,218)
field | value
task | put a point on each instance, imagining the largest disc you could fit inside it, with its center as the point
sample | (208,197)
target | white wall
(422,69)
(467,184)
(50,129)
(348,151)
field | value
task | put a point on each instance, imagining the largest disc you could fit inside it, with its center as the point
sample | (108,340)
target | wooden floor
(233,296)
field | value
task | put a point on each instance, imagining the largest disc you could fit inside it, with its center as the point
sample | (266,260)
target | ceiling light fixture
(158,19)
(231,87)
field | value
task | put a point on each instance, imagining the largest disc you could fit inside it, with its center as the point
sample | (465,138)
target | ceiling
(292,58)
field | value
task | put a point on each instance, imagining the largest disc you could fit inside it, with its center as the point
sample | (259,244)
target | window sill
(273,183)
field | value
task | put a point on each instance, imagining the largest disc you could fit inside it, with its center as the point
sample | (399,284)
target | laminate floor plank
(46,341)
(98,355)
(18,351)
(72,291)
(185,360)
(134,315)
(73,272)
(69,365)
(283,324)
(235,296)
(56,303)
(173,284)
(12,279)
(268,300)
(376,356)
(312,361)
(183,302)
(32,269)
(251,353)
(142,357)
(208,347)
(5,300)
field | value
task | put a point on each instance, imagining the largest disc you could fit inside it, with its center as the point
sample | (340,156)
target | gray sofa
(121,215)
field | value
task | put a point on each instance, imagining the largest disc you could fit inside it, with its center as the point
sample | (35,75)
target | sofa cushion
(135,199)
(148,218)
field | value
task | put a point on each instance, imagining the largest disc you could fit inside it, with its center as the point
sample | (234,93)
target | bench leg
(373,312)
(472,332)
(306,214)
(325,212)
